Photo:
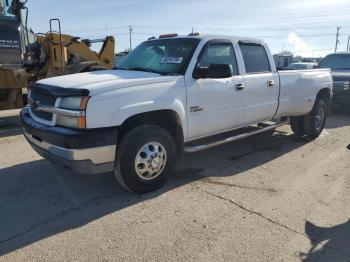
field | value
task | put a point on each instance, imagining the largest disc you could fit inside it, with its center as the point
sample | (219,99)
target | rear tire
(312,124)
(297,125)
(315,121)
(145,159)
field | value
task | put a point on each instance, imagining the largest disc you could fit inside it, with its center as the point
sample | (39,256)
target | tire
(297,125)
(145,159)
(315,121)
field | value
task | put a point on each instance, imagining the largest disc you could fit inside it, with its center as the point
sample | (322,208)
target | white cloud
(300,46)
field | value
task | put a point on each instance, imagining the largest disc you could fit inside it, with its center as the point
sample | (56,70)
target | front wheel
(145,158)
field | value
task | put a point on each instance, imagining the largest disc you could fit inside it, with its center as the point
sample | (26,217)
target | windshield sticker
(171,60)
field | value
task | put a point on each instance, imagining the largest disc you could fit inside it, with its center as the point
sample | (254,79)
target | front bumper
(83,151)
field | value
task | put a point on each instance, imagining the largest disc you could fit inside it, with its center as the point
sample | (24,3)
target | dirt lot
(268,198)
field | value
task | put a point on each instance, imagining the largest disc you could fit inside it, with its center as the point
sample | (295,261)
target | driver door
(215,105)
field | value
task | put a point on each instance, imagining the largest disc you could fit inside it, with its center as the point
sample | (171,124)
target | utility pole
(337,39)
(130,32)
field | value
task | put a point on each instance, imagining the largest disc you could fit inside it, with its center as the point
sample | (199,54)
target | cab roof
(210,37)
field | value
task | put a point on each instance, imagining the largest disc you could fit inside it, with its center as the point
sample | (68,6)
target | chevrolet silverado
(172,94)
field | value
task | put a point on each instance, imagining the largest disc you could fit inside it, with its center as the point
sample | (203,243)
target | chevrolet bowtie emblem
(35,104)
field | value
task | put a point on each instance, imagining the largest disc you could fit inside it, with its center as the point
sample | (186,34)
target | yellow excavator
(26,57)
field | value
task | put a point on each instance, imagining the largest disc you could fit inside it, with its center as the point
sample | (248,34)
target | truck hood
(101,81)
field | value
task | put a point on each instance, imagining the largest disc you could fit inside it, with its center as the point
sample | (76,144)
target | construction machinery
(26,57)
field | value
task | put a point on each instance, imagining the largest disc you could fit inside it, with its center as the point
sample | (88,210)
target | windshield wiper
(119,68)
(140,68)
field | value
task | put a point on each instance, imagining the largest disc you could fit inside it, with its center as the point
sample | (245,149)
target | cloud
(319,4)
(300,46)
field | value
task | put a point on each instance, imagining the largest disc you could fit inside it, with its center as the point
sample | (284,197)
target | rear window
(255,58)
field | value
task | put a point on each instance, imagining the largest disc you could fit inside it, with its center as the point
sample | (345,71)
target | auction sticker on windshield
(171,60)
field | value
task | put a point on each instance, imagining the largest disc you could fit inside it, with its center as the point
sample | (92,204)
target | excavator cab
(10,36)
(13,37)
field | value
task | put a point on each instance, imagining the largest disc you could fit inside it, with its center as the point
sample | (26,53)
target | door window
(219,53)
(255,58)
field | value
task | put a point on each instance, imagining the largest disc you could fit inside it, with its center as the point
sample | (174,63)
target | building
(282,61)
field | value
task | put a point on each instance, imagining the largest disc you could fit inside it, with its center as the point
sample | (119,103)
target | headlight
(69,121)
(73,103)
(74,115)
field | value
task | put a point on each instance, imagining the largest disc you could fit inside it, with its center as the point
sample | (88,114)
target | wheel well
(325,93)
(167,119)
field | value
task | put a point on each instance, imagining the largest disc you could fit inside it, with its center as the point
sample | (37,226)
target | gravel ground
(267,198)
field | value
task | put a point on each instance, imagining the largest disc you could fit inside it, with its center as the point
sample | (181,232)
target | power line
(315,50)
(207,28)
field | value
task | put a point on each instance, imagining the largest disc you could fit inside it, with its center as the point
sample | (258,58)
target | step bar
(197,148)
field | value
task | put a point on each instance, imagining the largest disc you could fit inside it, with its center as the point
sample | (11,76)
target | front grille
(43,115)
(42,99)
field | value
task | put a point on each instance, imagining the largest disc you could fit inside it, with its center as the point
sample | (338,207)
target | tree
(285,53)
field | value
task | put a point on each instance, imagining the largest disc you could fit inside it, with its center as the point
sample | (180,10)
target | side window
(255,58)
(219,53)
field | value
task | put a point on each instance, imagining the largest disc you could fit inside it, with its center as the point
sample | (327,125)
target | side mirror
(213,71)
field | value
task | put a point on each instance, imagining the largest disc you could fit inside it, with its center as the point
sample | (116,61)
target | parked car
(301,66)
(339,63)
(170,95)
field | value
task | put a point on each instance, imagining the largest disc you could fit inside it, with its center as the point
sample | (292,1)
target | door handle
(239,87)
(270,83)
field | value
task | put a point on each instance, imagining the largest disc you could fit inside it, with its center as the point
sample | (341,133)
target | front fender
(122,114)
(115,108)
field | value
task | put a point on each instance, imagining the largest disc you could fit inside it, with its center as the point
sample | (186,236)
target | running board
(196,148)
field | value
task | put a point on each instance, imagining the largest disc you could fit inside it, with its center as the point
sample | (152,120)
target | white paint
(118,95)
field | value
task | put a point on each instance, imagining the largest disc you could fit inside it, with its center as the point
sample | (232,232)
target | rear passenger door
(261,83)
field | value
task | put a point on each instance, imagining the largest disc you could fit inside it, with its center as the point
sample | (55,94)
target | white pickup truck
(171,94)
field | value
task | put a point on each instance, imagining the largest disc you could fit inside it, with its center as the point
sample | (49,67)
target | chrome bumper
(96,160)
(97,155)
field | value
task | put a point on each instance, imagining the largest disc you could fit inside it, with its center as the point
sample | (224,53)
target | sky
(305,27)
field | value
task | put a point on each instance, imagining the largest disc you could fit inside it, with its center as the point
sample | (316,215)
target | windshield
(5,6)
(164,56)
(336,62)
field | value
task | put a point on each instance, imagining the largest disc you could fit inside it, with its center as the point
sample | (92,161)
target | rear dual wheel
(312,124)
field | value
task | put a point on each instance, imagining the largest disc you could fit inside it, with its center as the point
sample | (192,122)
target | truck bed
(298,89)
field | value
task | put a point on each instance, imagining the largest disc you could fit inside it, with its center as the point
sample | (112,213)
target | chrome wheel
(319,118)
(150,160)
